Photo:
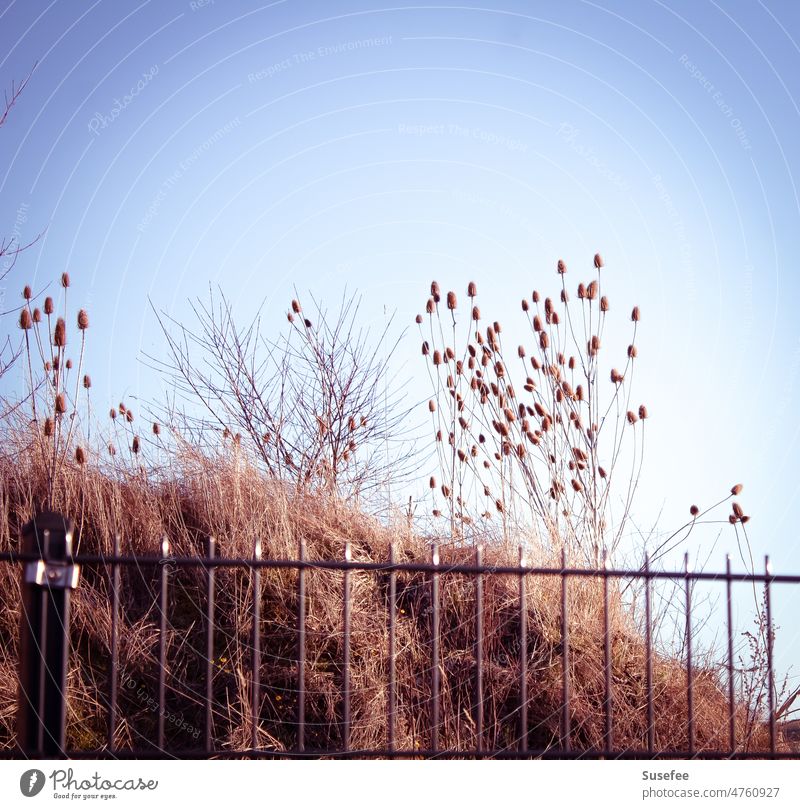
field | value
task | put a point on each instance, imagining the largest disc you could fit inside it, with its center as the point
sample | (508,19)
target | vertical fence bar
(435,649)
(689,672)
(348,555)
(255,707)
(479,649)
(40,636)
(609,740)
(162,640)
(523,657)
(210,619)
(301,649)
(113,683)
(731,671)
(770,671)
(565,718)
(648,617)
(392,646)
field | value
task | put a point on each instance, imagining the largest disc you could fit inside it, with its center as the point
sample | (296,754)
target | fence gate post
(44,634)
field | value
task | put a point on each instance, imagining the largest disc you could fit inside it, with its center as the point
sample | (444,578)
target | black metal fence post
(44,635)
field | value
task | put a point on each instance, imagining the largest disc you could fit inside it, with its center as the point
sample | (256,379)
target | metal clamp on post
(55,575)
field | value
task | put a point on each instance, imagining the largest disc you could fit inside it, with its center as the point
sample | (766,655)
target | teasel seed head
(437,357)
(112,413)
(544,340)
(525,305)
(432,482)
(635,314)
(429,306)
(604,304)
(476,313)
(435,291)
(296,307)
(69,364)
(426,349)
(564,296)
(129,416)
(732,518)
(554,319)
(576,485)
(591,290)
(632,417)
(135,445)
(37,316)
(581,291)
(60,403)
(616,376)
(80,456)
(537,323)
(445,490)
(48,427)
(418,319)
(598,261)
(642,412)
(745,518)
(25,319)
(632,352)
(60,333)
(55,363)
(601,471)
(122,407)
(65,279)
(156,428)
(571,363)
(87,380)
(432,406)
(694,511)
(472,289)
(451,300)
(561,266)
(737,510)
(48,306)
(736,489)
(83,320)
(449,353)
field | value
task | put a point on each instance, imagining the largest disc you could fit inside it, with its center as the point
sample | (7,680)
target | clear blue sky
(161,146)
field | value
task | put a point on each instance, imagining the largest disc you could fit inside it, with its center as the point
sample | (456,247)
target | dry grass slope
(224,497)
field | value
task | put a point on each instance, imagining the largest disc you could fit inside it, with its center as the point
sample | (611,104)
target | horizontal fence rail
(50,572)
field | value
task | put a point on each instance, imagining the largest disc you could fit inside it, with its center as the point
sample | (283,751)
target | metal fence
(50,572)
